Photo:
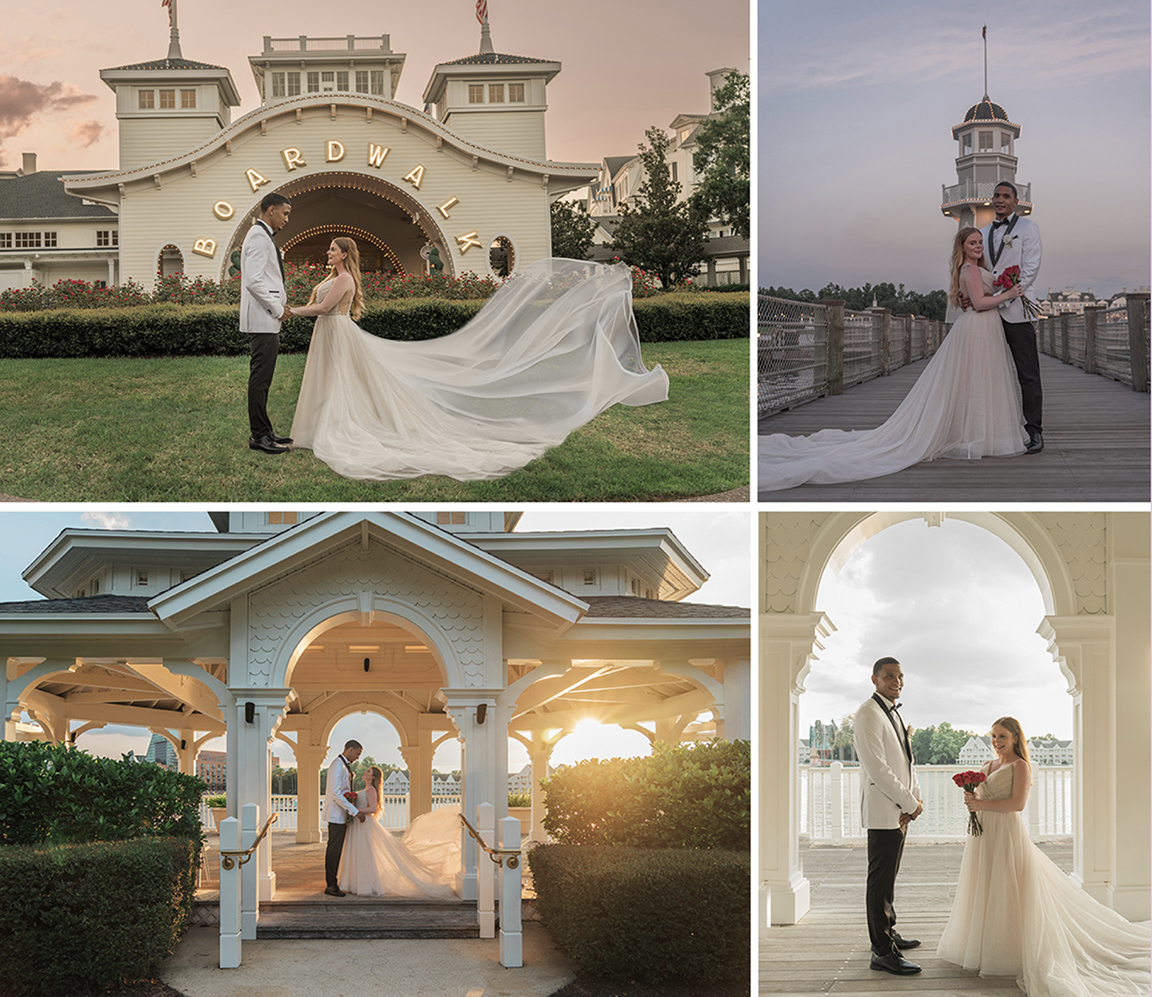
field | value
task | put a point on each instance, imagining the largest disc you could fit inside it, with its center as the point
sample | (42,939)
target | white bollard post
(837,803)
(485,895)
(229,897)
(249,873)
(511,891)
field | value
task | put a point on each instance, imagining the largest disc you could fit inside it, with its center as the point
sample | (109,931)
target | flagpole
(174,37)
(984,34)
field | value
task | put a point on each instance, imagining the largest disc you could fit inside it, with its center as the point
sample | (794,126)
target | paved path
(1096,435)
(828,951)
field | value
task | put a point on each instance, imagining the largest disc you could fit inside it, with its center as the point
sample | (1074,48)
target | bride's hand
(973,802)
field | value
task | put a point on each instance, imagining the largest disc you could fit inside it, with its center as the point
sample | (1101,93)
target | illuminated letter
(467,241)
(223,210)
(293,158)
(205,247)
(255,180)
(443,208)
(335,152)
(415,177)
(376,154)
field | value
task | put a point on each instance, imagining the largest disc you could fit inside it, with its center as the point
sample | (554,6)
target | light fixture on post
(249,712)
(481,713)
(366,662)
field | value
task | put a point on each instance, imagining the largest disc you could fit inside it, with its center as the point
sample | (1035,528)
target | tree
(572,230)
(722,158)
(661,234)
(844,746)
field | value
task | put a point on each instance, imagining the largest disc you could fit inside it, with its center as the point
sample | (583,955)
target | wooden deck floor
(828,951)
(1096,446)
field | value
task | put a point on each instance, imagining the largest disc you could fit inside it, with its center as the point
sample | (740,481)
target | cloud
(87,132)
(23,100)
(107,520)
(27,55)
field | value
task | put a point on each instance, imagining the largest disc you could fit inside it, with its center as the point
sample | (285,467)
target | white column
(479,769)
(11,710)
(230,943)
(786,645)
(418,758)
(112,271)
(538,754)
(1131,595)
(511,891)
(309,758)
(737,701)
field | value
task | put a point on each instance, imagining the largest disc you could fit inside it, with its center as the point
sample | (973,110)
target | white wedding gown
(374,864)
(965,405)
(552,348)
(1017,914)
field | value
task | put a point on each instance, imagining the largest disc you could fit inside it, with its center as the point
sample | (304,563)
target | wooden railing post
(882,333)
(1063,354)
(835,347)
(1138,338)
(1091,314)
(511,891)
(904,323)
(229,897)
(485,897)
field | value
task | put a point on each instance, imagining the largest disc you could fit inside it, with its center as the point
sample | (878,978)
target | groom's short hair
(353,744)
(271,200)
(881,662)
(1010,186)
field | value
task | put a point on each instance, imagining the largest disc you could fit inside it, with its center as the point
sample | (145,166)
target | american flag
(168,4)
(481,10)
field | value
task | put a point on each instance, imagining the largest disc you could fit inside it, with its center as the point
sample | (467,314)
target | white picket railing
(393,814)
(830,804)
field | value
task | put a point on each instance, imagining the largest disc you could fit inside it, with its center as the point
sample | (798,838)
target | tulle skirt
(1017,914)
(965,405)
(373,863)
(556,345)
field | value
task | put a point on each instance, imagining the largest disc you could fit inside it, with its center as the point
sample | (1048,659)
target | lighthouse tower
(986,156)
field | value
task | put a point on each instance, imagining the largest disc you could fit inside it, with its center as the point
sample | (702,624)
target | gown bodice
(344,304)
(997,785)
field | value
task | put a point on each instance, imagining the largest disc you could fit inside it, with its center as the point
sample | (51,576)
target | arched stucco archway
(1092,571)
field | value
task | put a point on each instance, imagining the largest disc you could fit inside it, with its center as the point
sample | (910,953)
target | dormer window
(141,577)
(475,93)
(147,100)
(589,576)
(281,518)
(966,144)
(451,519)
(985,141)
(1005,143)
(188,99)
(495,93)
(515,93)
(167,100)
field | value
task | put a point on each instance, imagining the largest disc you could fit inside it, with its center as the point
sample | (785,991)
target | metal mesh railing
(791,353)
(864,348)
(1103,344)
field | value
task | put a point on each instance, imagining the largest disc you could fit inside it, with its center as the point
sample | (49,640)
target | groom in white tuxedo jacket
(263,306)
(1015,241)
(889,801)
(338,811)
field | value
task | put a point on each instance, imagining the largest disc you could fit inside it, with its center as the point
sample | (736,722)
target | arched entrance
(1096,632)
(389,225)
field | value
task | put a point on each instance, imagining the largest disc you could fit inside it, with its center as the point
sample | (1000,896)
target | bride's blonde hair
(376,781)
(1012,725)
(958,262)
(352,265)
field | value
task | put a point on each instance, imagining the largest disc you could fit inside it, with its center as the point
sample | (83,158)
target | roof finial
(485,35)
(174,38)
(984,35)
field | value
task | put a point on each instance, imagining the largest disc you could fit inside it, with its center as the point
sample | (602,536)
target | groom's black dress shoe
(1035,443)
(335,891)
(281,440)
(894,962)
(266,444)
(904,943)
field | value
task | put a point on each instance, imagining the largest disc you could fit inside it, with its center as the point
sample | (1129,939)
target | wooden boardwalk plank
(828,951)
(1096,446)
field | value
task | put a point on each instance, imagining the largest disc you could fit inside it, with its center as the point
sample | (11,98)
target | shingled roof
(42,195)
(492,59)
(88,604)
(160,64)
(633,607)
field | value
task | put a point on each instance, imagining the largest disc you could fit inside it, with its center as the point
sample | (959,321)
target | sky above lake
(856,107)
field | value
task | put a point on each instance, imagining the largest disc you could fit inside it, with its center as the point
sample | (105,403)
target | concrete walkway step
(367,918)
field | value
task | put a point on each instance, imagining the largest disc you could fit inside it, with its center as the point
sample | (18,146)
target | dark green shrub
(683,796)
(692,316)
(647,914)
(76,917)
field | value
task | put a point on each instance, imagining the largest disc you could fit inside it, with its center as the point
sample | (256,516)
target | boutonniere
(1008,240)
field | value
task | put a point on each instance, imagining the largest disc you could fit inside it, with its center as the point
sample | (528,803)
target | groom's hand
(360,817)
(287,314)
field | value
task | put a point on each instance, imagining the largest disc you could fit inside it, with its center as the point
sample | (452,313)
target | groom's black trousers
(1021,337)
(264,348)
(885,847)
(332,855)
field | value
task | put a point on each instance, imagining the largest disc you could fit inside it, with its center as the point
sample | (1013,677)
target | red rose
(350,796)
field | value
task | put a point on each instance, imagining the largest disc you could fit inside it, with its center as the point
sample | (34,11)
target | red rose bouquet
(350,796)
(968,781)
(1010,277)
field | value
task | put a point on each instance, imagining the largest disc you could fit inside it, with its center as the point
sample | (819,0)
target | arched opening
(392,229)
(501,256)
(170,262)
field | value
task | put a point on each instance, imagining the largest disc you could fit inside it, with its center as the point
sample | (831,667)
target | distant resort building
(1073,302)
(620,177)
(211,766)
(978,750)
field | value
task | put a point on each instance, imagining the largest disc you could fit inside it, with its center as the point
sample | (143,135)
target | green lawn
(176,430)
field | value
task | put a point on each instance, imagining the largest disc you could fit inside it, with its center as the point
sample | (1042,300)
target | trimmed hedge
(78,917)
(213,330)
(647,914)
(682,796)
(50,793)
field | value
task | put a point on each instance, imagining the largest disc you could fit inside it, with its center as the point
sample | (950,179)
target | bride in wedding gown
(964,405)
(1017,914)
(552,348)
(374,864)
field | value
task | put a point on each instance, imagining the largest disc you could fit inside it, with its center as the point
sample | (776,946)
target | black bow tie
(896,706)
(999,222)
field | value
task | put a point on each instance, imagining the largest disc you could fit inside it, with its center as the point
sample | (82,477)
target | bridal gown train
(1017,914)
(965,405)
(552,348)
(374,864)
